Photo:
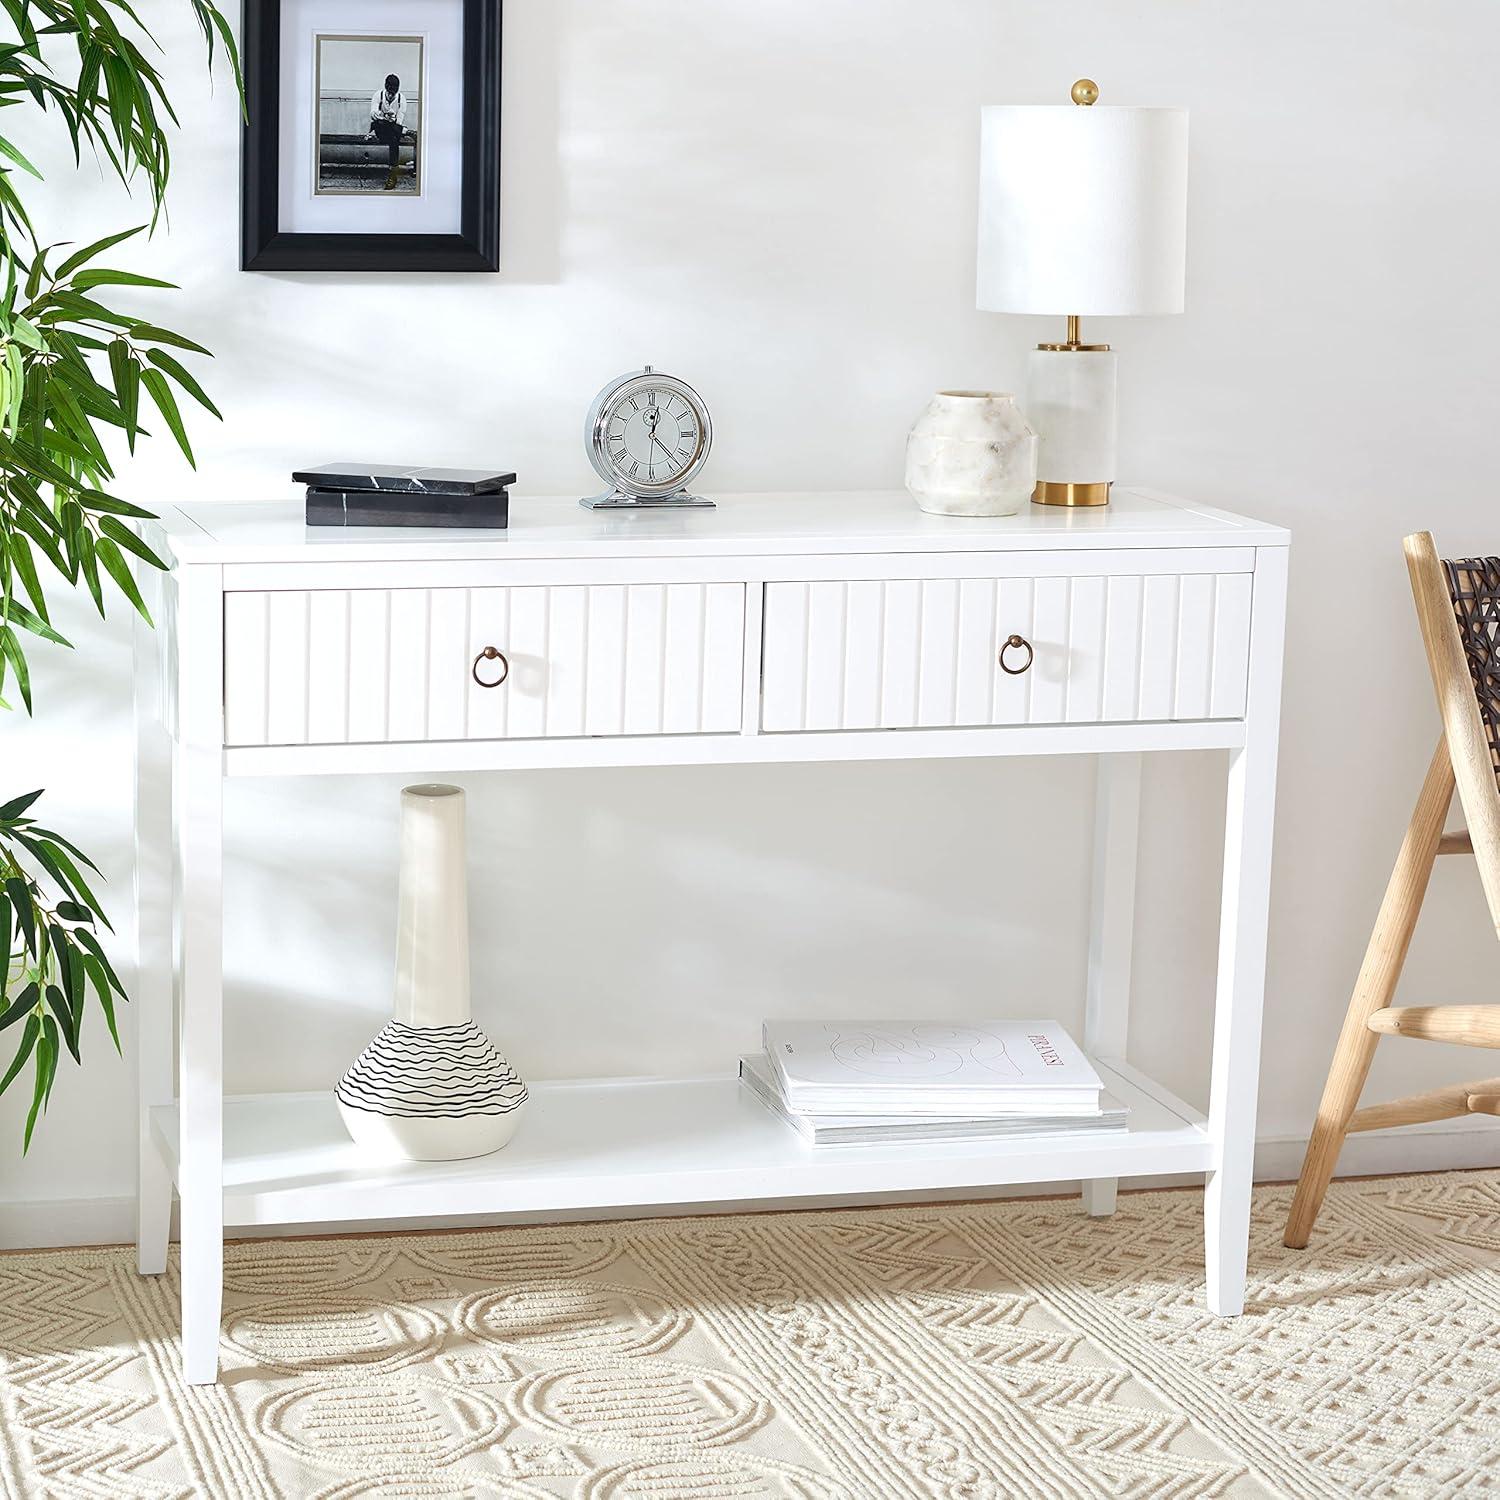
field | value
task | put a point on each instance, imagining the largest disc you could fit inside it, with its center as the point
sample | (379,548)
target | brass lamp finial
(1085,91)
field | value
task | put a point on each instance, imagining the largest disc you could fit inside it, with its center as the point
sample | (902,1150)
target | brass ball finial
(1085,91)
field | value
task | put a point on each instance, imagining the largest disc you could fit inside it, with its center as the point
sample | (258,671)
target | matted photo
(372,135)
(368,102)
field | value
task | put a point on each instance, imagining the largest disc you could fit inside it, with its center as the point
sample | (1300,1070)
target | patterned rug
(1012,1349)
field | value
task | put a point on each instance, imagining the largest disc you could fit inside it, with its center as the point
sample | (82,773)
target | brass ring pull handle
(491,654)
(1017,643)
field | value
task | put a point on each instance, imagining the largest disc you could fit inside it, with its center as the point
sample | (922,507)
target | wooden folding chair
(1458,608)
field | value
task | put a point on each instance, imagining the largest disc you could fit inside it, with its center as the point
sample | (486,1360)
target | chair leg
(1450,1102)
(1373,990)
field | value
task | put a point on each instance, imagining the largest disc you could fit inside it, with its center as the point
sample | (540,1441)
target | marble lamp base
(1070,396)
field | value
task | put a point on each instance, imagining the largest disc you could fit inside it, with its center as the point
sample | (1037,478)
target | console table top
(556,526)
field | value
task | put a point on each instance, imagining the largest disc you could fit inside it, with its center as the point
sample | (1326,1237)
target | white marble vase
(431,1086)
(971,453)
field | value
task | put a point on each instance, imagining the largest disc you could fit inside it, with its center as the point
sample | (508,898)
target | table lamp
(1082,212)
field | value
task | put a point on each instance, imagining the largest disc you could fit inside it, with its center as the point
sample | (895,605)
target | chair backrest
(1474,588)
(1458,608)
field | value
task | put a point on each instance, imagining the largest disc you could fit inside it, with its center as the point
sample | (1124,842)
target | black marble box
(330,507)
(408,481)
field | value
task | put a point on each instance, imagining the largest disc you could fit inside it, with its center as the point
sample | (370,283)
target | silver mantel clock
(647,436)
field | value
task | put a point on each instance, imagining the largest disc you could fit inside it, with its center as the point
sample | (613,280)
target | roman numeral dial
(649,434)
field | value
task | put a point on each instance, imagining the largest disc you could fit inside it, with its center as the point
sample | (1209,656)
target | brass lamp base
(1053,492)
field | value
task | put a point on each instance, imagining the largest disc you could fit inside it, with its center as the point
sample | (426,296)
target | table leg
(1249,816)
(1117,810)
(153,918)
(199,796)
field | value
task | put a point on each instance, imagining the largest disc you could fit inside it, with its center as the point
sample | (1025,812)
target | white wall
(804,254)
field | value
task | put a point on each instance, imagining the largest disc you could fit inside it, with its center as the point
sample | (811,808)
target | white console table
(775,628)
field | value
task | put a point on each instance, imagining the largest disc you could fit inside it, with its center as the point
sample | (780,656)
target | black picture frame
(263,247)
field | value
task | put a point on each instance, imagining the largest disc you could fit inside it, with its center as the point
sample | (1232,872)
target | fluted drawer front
(339,666)
(925,653)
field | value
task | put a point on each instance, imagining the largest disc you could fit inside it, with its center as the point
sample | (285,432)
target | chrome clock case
(638,491)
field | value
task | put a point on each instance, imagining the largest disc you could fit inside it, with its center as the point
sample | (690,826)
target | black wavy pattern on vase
(431,1072)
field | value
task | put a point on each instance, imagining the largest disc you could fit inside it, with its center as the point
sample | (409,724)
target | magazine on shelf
(953,1068)
(759,1078)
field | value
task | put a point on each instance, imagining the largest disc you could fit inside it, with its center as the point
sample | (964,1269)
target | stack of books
(886,1082)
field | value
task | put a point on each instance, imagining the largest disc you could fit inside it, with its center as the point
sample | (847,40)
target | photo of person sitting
(387,117)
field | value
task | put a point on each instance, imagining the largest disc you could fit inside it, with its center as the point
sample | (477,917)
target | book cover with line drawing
(990,1065)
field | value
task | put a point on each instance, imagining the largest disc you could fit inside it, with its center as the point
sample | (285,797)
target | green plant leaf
(220,25)
(36,528)
(15,381)
(24,331)
(62,869)
(149,333)
(25,565)
(125,370)
(16,807)
(128,541)
(100,980)
(34,623)
(37,274)
(119,570)
(7,149)
(75,992)
(79,257)
(88,564)
(21,903)
(86,281)
(40,466)
(183,378)
(62,301)
(90,942)
(98,500)
(32,1030)
(73,849)
(57,1002)
(10,648)
(46,1068)
(20,1006)
(8,306)
(166,403)
(71,911)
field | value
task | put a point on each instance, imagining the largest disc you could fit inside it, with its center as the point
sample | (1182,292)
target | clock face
(651,437)
(649,434)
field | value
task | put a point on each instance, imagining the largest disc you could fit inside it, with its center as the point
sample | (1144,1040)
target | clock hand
(652,418)
(671,457)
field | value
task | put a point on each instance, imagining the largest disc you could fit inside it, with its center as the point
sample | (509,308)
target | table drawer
(926,653)
(340,666)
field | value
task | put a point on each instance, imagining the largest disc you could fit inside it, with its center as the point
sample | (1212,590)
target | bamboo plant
(77,375)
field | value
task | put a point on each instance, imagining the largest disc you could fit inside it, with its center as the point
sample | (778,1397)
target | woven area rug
(1011,1349)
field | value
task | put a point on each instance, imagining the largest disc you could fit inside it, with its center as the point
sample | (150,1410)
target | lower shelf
(631,1144)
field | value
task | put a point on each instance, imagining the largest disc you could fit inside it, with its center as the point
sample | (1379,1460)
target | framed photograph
(367,145)
(373,138)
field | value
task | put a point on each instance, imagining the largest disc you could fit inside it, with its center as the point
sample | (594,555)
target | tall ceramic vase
(431,1086)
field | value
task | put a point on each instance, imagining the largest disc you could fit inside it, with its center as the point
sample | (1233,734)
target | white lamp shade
(1082,209)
